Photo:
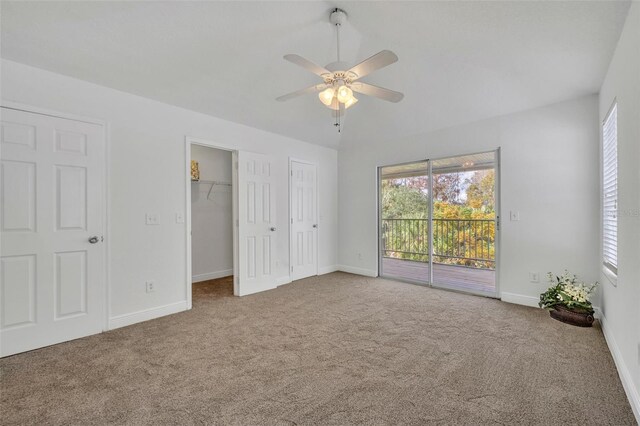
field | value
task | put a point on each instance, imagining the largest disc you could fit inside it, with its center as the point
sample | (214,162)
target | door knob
(93,239)
(273,228)
(315,225)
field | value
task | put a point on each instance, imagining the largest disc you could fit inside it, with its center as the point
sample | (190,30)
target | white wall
(621,303)
(211,215)
(549,159)
(147,172)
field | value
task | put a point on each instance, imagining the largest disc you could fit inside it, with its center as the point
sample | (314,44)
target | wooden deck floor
(450,276)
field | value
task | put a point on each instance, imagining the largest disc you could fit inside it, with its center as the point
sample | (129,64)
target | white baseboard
(327,269)
(357,271)
(597,314)
(283,280)
(520,299)
(211,275)
(625,377)
(147,314)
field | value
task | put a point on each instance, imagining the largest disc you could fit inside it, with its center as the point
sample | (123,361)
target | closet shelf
(212,183)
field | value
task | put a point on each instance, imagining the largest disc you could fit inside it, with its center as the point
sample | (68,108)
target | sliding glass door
(438,222)
(404,221)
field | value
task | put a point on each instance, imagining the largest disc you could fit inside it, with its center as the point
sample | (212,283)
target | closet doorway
(212,217)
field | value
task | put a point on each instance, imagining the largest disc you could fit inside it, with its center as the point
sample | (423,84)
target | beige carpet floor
(338,349)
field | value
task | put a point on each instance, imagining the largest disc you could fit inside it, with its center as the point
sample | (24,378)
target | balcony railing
(466,242)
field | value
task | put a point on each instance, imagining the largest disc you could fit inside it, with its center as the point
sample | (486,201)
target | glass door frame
(497,224)
(380,230)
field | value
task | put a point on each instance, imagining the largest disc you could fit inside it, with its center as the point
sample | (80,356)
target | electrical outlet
(515,215)
(534,277)
(150,286)
(152,219)
(179,217)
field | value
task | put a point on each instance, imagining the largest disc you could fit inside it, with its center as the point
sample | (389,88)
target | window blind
(610,190)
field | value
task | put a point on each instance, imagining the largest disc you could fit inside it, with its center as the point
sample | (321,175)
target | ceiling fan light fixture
(326,96)
(350,102)
(344,94)
(334,104)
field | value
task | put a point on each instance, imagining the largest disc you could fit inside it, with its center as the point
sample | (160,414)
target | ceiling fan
(336,91)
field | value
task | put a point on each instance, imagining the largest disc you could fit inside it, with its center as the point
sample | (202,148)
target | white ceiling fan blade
(311,89)
(377,61)
(378,92)
(308,65)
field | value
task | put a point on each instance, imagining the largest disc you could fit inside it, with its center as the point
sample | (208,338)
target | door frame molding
(106,190)
(290,227)
(189,140)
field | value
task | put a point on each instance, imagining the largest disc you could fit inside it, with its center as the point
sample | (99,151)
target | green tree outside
(463,213)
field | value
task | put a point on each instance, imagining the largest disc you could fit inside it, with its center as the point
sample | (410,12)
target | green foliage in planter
(564,290)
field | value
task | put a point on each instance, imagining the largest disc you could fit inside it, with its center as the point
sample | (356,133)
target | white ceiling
(459,61)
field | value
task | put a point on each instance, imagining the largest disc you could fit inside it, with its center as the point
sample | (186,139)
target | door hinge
(292,221)
(102,238)
(497,223)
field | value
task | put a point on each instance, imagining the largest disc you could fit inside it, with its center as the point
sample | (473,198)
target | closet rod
(212,183)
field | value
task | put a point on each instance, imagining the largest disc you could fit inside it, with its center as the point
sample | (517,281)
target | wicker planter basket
(578,318)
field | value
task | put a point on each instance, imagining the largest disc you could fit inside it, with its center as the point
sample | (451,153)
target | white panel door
(51,189)
(304,221)
(256,223)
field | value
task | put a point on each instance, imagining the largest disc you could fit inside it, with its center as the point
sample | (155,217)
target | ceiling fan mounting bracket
(338,16)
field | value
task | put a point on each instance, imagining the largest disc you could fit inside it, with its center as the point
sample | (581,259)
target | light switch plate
(179,217)
(515,215)
(152,219)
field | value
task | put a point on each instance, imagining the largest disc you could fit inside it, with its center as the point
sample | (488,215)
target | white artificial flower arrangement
(565,290)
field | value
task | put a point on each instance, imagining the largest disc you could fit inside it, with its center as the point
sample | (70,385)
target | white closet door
(51,275)
(256,223)
(304,221)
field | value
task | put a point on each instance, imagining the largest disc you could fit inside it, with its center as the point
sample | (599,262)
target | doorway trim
(290,220)
(189,140)
(106,190)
